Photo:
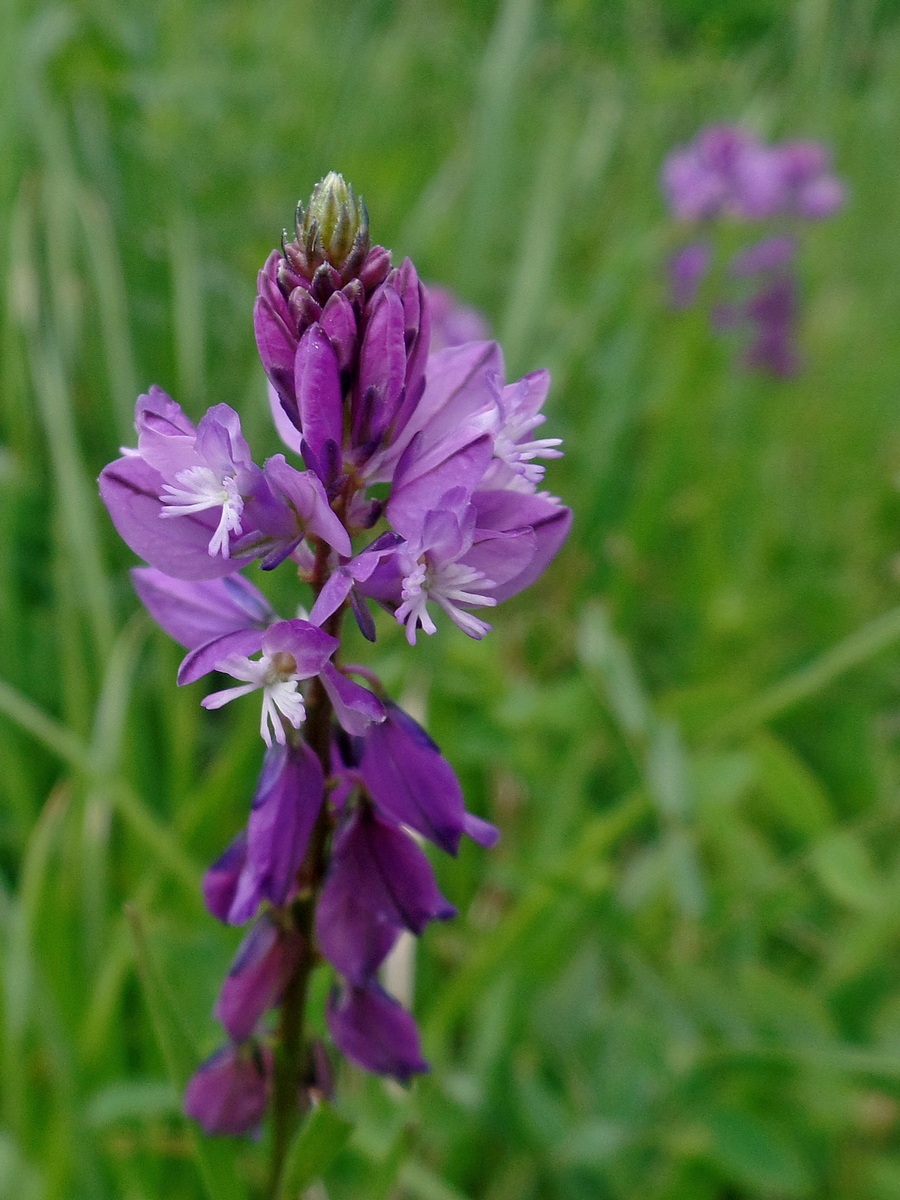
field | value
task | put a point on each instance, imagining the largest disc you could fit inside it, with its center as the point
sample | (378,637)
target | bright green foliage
(678,977)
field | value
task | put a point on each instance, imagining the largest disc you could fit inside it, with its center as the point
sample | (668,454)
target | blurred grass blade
(112,302)
(55,737)
(853,651)
(606,656)
(215,1157)
(315,1146)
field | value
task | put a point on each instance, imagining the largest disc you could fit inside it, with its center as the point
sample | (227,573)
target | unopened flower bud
(335,226)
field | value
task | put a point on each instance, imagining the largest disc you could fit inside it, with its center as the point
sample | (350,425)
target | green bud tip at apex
(335,225)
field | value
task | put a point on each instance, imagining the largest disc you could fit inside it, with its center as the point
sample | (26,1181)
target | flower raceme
(727,175)
(328,865)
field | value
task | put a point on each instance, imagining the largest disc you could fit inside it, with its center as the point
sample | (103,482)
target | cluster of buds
(726,174)
(329,867)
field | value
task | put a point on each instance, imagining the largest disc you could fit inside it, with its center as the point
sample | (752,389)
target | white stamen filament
(277,676)
(201,489)
(446,585)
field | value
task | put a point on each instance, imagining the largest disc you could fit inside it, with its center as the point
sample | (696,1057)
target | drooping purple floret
(375,1031)
(227,1094)
(412,783)
(379,883)
(265,961)
(288,798)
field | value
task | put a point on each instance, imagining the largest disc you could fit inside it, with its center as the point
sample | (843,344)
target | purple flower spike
(288,799)
(227,1094)
(221,880)
(687,270)
(413,784)
(265,961)
(379,882)
(374,1031)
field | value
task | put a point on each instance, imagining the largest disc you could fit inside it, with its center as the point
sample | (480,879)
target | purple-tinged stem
(288,1095)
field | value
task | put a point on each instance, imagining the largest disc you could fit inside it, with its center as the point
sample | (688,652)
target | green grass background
(678,977)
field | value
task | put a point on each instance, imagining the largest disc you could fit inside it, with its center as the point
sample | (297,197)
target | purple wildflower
(328,862)
(727,172)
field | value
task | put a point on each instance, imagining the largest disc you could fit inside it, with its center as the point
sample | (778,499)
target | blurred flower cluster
(727,175)
(418,493)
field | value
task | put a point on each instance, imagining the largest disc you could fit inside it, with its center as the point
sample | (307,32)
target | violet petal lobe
(508,511)
(227,1094)
(288,798)
(195,612)
(203,659)
(264,963)
(374,1031)
(355,707)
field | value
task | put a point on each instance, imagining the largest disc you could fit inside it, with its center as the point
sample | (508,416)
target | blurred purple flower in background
(728,175)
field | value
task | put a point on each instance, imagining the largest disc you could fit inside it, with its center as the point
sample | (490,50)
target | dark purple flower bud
(374,1031)
(321,1075)
(317,384)
(687,270)
(265,961)
(379,882)
(288,798)
(221,880)
(382,366)
(227,1093)
(339,325)
(453,323)
(412,783)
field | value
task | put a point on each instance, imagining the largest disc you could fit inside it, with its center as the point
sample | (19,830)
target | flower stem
(292,1055)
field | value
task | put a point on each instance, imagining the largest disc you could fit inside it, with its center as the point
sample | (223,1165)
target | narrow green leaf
(316,1145)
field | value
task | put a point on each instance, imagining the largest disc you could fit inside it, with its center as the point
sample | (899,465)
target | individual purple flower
(197,480)
(227,1094)
(265,961)
(412,784)
(453,323)
(288,799)
(291,651)
(374,1031)
(379,882)
(687,270)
